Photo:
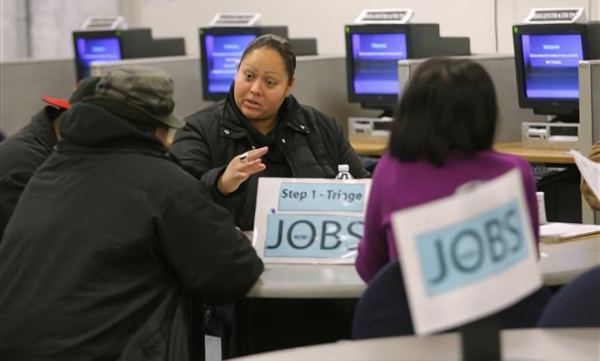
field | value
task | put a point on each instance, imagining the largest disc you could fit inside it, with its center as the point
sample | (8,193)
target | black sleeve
(215,262)
(12,186)
(344,151)
(191,150)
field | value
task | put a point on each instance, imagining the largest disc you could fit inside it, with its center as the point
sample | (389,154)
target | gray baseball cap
(149,91)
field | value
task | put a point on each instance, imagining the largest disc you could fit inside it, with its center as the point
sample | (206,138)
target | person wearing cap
(282,137)
(112,240)
(24,152)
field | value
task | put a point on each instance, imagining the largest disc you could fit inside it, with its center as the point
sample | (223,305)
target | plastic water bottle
(344,172)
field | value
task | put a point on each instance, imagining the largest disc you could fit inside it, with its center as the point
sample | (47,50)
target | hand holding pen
(240,169)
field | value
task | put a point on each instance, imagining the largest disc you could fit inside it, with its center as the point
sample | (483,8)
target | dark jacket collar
(290,113)
(90,128)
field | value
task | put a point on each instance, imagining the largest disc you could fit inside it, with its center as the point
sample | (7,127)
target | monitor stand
(573,119)
(387,114)
(387,110)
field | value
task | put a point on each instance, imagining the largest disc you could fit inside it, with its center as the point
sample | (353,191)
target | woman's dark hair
(280,45)
(448,105)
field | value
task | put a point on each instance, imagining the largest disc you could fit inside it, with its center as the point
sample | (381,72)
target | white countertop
(560,263)
(563,262)
(517,345)
(308,281)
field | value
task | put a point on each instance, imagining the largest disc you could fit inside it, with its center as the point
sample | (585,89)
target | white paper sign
(235,19)
(590,171)
(467,256)
(309,220)
(384,16)
(555,16)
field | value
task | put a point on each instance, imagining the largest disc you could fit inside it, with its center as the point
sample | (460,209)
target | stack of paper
(590,171)
(557,232)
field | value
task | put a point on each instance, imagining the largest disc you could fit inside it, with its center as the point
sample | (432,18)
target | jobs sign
(309,220)
(468,255)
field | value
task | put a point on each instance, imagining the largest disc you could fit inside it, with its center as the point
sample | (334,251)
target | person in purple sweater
(441,139)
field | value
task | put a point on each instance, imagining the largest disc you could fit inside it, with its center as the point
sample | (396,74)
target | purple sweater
(398,185)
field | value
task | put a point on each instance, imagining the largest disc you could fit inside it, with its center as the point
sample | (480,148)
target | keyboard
(541,171)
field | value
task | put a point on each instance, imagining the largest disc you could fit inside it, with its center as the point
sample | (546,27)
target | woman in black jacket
(264,124)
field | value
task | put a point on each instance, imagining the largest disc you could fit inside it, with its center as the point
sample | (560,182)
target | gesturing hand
(241,168)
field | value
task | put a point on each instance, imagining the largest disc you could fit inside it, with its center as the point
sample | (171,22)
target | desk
(369,148)
(533,155)
(532,344)
(530,154)
(284,286)
(560,263)
(563,262)
(312,303)
(564,200)
(308,281)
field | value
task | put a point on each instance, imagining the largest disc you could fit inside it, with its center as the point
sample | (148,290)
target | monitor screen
(100,49)
(375,62)
(551,65)
(223,54)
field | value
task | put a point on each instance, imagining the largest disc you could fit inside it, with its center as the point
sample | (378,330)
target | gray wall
(48,23)
(321,19)
(22,85)
(13,30)
(52,21)
(487,22)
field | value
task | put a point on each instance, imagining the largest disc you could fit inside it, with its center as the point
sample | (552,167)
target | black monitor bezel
(92,35)
(547,106)
(217,31)
(379,101)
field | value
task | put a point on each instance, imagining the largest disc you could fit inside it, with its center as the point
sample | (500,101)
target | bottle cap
(343,168)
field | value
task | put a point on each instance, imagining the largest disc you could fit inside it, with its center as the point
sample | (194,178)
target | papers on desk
(558,232)
(590,171)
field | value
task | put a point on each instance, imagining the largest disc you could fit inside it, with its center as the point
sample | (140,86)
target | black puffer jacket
(107,245)
(20,156)
(311,142)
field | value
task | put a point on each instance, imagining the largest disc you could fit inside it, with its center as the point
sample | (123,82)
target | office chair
(576,304)
(383,309)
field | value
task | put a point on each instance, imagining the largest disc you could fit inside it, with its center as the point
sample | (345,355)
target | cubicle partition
(22,85)
(589,119)
(589,104)
(502,71)
(320,82)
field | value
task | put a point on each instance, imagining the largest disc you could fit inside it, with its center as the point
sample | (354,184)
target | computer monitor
(221,50)
(372,55)
(547,66)
(95,46)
